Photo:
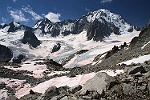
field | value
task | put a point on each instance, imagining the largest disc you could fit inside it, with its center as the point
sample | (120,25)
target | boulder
(128,89)
(49,93)
(75,89)
(146,67)
(63,90)
(32,92)
(100,82)
(136,69)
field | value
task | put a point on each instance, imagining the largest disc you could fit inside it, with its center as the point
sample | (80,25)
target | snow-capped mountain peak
(101,13)
(109,17)
(106,19)
(16,24)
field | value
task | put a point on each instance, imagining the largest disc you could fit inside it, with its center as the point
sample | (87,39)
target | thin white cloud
(4,20)
(88,10)
(106,1)
(17,15)
(14,0)
(32,13)
(53,17)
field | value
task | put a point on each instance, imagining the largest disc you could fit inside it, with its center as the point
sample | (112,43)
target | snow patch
(63,81)
(31,66)
(145,45)
(140,59)
(3,94)
(112,72)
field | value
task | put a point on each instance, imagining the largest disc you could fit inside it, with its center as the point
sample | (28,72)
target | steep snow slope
(69,45)
(140,59)
(72,43)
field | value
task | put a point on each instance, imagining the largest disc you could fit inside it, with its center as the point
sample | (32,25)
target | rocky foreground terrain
(133,84)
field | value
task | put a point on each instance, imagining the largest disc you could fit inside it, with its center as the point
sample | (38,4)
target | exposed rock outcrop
(19,58)
(56,48)
(5,54)
(30,38)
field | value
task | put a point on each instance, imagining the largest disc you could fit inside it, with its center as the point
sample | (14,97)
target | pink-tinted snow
(63,81)
(60,81)
(84,62)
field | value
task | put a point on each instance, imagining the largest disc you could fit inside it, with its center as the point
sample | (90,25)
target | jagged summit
(107,23)
(14,26)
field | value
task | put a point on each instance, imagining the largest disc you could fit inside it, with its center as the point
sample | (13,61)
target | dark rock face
(5,54)
(41,24)
(49,93)
(30,38)
(2,85)
(4,25)
(1,26)
(53,65)
(137,69)
(142,39)
(18,59)
(12,28)
(56,48)
(81,52)
(32,92)
(98,30)
(134,41)
(130,29)
(63,89)
(75,89)
(110,53)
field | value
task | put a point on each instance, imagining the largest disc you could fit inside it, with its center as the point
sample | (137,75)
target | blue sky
(29,11)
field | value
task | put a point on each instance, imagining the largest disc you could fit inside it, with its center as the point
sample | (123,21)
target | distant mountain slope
(96,33)
(138,47)
(98,24)
(14,26)
(143,38)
